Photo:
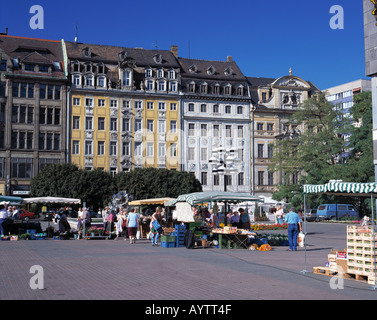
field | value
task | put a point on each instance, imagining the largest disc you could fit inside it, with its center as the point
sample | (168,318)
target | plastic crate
(165,244)
(261,241)
(168,238)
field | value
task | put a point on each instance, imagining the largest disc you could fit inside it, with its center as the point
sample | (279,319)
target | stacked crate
(361,259)
(180,231)
(168,241)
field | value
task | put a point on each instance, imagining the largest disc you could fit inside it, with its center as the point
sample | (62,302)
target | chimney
(174,50)
(6,32)
(229,59)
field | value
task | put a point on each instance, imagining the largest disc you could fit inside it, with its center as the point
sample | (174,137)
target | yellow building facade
(124,108)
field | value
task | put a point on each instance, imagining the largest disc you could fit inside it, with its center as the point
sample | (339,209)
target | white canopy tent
(52,200)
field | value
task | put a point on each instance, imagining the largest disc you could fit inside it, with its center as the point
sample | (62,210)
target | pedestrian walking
(154,232)
(293,220)
(132,225)
(119,223)
(279,215)
(3,219)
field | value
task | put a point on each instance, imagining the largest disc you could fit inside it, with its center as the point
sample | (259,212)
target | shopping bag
(301,239)
(138,234)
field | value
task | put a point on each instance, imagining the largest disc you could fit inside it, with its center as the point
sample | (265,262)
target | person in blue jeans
(294,226)
(154,233)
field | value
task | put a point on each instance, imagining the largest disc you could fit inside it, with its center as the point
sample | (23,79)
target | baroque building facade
(124,104)
(215,112)
(33,129)
(274,101)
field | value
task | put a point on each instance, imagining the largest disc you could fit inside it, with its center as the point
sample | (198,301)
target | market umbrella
(52,200)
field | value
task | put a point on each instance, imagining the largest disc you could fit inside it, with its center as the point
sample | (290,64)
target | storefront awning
(52,200)
(336,187)
(200,197)
(161,201)
(10,199)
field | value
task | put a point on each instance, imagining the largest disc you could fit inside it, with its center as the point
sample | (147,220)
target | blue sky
(264,37)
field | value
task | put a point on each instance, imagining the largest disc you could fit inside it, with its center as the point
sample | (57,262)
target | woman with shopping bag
(156,226)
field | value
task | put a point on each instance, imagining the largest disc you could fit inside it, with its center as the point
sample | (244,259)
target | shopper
(293,220)
(235,219)
(244,219)
(132,225)
(154,232)
(279,215)
(119,223)
(3,219)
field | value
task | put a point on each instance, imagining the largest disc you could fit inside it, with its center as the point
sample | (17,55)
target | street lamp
(225,162)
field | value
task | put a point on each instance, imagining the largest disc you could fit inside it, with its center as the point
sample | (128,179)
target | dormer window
(171,74)
(43,68)
(160,73)
(126,78)
(150,85)
(148,73)
(157,58)
(193,68)
(228,89)
(216,89)
(76,66)
(204,88)
(240,90)
(211,70)
(101,68)
(86,52)
(191,87)
(228,71)
(88,67)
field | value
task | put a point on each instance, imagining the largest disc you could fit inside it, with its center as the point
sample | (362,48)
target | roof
(37,51)
(337,187)
(200,197)
(110,54)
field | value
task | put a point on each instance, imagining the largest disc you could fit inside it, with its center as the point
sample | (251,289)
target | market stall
(225,236)
(363,233)
(145,219)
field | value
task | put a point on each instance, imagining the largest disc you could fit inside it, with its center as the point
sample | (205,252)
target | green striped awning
(200,197)
(343,188)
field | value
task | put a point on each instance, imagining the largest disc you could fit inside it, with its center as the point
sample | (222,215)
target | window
(204,178)
(138,104)
(203,130)
(29,67)
(270,127)
(125,125)
(240,131)
(190,154)
(270,176)
(88,123)
(150,105)
(126,104)
(113,148)
(24,90)
(57,91)
(21,168)
(171,74)
(191,107)
(161,85)
(216,180)
(101,82)
(3,66)
(137,125)
(56,141)
(203,107)
(173,150)
(173,86)
(203,88)
(260,150)
(241,179)
(113,124)
(76,122)
(260,178)
(228,90)
(215,108)
(76,101)
(89,81)
(150,149)
(161,106)
(191,87)
(150,125)
(161,126)
(259,126)
(203,154)
(126,148)
(160,73)
(75,147)
(101,123)
(101,102)
(113,103)
(173,106)
(127,78)
(161,150)
(57,116)
(228,109)
(191,129)
(101,148)
(138,149)
(216,130)
(89,102)
(88,148)
(150,84)
(228,131)
(148,73)
(173,126)
(239,110)
(270,150)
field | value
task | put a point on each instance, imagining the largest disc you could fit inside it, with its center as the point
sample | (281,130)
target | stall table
(232,240)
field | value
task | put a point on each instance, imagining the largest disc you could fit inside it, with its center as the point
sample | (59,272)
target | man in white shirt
(3,219)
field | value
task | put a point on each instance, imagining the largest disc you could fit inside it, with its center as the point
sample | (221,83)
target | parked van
(336,211)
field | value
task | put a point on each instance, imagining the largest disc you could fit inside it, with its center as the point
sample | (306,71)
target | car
(311,214)
(26,215)
(336,211)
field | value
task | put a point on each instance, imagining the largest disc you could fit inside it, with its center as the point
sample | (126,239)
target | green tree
(145,183)
(316,155)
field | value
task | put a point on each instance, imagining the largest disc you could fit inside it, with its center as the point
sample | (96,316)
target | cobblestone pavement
(117,270)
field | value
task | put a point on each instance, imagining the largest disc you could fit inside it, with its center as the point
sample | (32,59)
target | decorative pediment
(291,82)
